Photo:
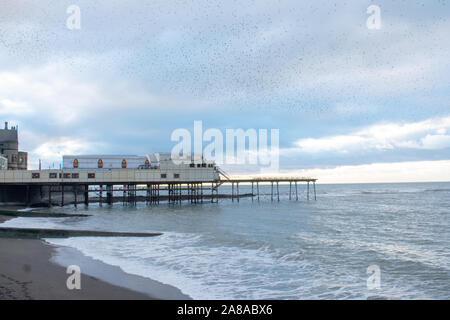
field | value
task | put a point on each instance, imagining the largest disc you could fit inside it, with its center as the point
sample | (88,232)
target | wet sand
(28,270)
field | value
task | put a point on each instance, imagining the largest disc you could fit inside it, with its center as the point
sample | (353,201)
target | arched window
(147,162)
(124,164)
(75,163)
(100,163)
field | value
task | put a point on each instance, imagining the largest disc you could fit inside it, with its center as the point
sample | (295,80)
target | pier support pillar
(49,195)
(271,191)
(28,195)
(290,188)
(62,195)
(75,193)
(307,192)
(86,195)
(232,191)
(278,192)
(252,191)
(158,194)
(296,192)
(257,189)
(314,184)
(109,194)
(201,191)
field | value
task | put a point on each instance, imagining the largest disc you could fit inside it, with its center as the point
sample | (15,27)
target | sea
(355,241)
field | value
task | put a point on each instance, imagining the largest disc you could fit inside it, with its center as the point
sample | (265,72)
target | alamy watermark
(374,20)
(74,280)
(374,279)
(73,22)
(258,147)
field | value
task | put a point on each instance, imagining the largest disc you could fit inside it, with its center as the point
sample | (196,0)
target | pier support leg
(62,195)
(75,193)
(307,192)
(100,200)
(232,191)
(197,193)
(278,192)
(252,191)
(168,193)
(86,195)
(290,188)
(50,196)
(296,192)
(314,184)
(257,189)
(271,191)
(237,189)
(28,195)
(109,194)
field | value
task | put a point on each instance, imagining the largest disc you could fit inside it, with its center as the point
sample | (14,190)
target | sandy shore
(33,269)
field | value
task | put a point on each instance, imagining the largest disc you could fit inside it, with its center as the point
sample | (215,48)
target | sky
(351,104)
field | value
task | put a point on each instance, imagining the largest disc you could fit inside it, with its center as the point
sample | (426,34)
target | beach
(28,272)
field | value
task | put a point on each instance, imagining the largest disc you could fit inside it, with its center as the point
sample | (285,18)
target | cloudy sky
(351,103)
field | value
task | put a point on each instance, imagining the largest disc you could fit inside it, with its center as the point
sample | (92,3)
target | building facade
(9,149)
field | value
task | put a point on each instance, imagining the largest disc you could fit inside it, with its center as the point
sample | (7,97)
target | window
(35,175)
(176,175)
(66,175)
(192,165)
(163,175)
(75,163)
(75,176)
(198,165)
(91,175)
(203,165)
(124,164)
(52,175)
(100,163)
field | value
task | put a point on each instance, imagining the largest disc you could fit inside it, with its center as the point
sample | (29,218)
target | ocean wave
(437,190)
(199,271)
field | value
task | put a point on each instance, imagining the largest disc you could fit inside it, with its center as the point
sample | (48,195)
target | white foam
(198,271)
(31,222)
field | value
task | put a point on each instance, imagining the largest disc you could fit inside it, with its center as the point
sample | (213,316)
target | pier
(274,183)
(108,179)
(129,186)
